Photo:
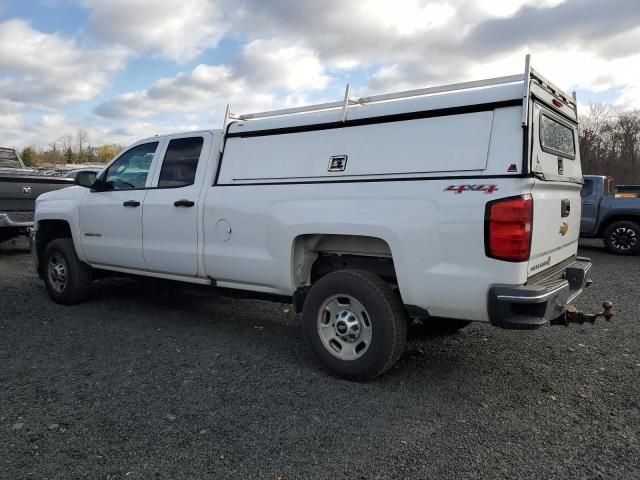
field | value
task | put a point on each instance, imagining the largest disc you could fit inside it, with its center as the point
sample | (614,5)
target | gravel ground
(154,380)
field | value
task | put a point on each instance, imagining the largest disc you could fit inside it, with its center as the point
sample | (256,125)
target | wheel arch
(618,217)
(310,250)
(47,231)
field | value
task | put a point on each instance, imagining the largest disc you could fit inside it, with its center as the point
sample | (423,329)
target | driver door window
(130,171)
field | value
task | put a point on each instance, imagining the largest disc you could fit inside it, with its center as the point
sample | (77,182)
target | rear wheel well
(327,263)
(617,218)
(315,255)
(49,230)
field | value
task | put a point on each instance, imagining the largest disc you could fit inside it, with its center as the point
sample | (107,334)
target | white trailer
(452,204)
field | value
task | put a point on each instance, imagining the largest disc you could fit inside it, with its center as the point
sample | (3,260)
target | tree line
(70,149)
(610,143)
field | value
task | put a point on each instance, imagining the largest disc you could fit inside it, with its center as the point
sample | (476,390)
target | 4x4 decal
(471,188)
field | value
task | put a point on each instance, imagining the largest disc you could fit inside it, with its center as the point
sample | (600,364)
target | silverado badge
(564,228)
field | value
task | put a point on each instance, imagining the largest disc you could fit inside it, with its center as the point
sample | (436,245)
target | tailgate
(19,192)
(556,224)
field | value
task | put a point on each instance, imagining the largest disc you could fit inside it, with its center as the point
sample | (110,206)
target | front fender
(53,206)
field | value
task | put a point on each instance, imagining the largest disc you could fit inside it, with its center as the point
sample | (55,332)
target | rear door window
(556,137)
(180,162)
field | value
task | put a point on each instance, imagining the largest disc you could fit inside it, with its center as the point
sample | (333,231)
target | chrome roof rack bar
(349,100)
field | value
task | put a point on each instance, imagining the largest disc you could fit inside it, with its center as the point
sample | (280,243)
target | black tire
(383,313)
(622,238)
(68,280)
(434,327)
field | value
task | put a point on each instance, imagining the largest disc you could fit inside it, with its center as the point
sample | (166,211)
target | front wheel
(67,278)
(622,238)
(355,324)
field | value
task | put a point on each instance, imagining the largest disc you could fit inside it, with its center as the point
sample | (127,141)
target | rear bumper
(530,306)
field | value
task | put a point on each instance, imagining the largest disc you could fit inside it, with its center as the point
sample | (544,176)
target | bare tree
(82,145)
(610,143)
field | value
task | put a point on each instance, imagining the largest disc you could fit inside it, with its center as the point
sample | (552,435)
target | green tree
(68,155)
(29,156)
(106,152)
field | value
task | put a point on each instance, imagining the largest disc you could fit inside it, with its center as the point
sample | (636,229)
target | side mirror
(85,179)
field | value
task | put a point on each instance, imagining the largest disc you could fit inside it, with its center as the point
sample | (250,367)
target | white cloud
(173,29)
(185,93)
(46,70)
(408,18)
(265,72)
(506,8)
(278,64)
(291,52)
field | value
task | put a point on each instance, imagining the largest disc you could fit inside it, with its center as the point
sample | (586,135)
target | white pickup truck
(450,204)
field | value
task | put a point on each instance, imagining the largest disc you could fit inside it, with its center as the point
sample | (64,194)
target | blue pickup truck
(615,220)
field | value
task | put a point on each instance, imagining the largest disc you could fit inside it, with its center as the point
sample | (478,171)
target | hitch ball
(573,315)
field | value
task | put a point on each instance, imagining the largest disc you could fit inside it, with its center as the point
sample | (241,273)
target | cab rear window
(556,137)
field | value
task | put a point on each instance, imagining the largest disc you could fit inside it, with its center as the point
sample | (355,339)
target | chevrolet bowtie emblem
(564,228)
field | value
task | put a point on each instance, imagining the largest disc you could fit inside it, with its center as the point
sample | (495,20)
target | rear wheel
(355,324)
(623,238)
(68,280)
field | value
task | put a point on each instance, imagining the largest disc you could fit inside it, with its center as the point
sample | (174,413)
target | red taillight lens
(508,224)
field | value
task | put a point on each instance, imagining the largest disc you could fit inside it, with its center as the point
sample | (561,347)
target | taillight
(507,228)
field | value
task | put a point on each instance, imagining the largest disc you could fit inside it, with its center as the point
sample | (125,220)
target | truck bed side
(425,202)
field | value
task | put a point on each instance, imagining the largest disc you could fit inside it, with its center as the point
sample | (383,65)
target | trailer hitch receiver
(573,315)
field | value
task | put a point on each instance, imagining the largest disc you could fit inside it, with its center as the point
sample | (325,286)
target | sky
(127,69)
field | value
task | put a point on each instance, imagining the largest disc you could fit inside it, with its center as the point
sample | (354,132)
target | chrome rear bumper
(532,305)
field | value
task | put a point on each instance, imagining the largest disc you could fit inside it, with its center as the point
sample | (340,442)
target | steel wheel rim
(623,238)
(57,272)
(344,327)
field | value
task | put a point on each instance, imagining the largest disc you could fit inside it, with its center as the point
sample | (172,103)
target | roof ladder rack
(349,100)
(529,75)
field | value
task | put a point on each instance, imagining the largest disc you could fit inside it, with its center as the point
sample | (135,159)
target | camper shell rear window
(557,137)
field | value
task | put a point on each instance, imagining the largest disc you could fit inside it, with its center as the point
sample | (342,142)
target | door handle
(183,203)
(131,203)
(565,207)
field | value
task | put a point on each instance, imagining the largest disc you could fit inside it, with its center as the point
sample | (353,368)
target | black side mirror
(85,179)
(99,186)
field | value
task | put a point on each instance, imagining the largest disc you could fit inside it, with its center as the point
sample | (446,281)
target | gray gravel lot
(154,380)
